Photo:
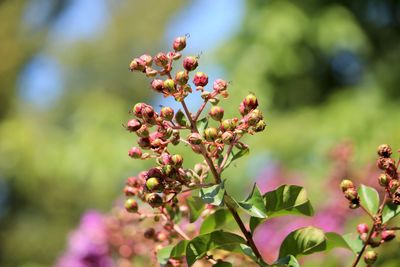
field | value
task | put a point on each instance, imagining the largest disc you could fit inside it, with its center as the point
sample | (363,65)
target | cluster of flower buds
(350,193)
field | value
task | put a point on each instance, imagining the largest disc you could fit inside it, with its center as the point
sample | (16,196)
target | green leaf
(369,198)
(213,195)
(236,155)
(202,125)
(198,247)
(285,200)
(179,249)
(354,242)
(223,264)
(287,261)
(215,221)
(389,212)
(163,255)
(334,240)
(196,207)
(303,241)
(254,204)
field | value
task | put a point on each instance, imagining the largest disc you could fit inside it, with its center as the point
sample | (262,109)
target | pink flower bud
(190,63)
(133,125)
(129,191)
(194,139)
(157,85)
(137,109)
(147,59)
(143,131)
(388,235)
(179,43)
(135,152)
(137,64)
(181,77)
(131,205)
(250,102)
(200,79)
(167,113)
(362,228)
(217,113)
(220,85)
(161,59)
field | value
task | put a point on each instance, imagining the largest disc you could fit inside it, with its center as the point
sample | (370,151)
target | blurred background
(326,73)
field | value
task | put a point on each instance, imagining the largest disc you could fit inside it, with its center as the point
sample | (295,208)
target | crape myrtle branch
(380,232)
(166,186)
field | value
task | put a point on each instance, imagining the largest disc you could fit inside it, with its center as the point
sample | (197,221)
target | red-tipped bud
(384,150)
(200,79)
(131,205)
(167,113)
(228,125)
(177,160)
(383,180)
(388,235)
(157,85)
(346,184)
(195,139)
(370,257)
(254,117)
(161,59)
(179,43)
(217,113)
(154,200)
(220,85)
(250,102)
(362,228)
(260,126)
(181,77)
(135,152)
(133,125)
(153,184)
(169,85)
(137,109)
(147,59)
(351,194)
(227,137)
(190,63)
(129,191)
(211,133)
(137,64)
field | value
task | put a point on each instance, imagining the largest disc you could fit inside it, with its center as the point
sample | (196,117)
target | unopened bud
(346,184)
(137,109)
(169,85)
(200,79)
(161,59)
(228,125)
(137,64)
(194,139)
(254,117)
(133,125)
(370,257)
(205,95)
(179,43)
(383,180)
(147,59)
(154,184)
(227,137)
(167,113)
(135,152)
(211,133)
(190,63)
(217,113)
(154,200)
(177,160)
(144,142)
(129,191)
(250,102)
(393,185)
(351,194)
(143,131)
(181,77)
(362,228)
(260,126)
(384,150)
(220,85)
(131,205)
(388,235)
(157,85)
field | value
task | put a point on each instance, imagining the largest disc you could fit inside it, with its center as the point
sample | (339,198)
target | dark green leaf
(223,264)
(254,204)
(303,241)
(285,200)
(389,212)
(236,155)
(354,242)
(215,221)
(196,207)
(287,261)
(213,195)
(202,125)
(334,240)
(199,246)
(369,198)
(179,249)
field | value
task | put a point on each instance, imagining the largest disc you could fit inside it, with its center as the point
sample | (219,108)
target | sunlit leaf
(354,242)
(369,198)
(196,207)
(215,221)
(254,204)
(213,195)
(389,212)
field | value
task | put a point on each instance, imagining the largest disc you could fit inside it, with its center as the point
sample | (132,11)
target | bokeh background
(326,73)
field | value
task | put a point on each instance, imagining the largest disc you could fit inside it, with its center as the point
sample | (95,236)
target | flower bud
(154,200)
(386,164)
(129,191)
(147,59)
(210,133)
(168,170)
(351,194)
(228,125)
(151,72)
(194,139)
(370,257)
(133,125)
(217,113)
(137,64)
(143,131)
(179,43)
(346,184)
(200,79)
(227,137)
(157,85)
(388,235)
(153,184)
(137,109)
(167,113)
(384,150)
(135,152)
(383,180)
(393,185)
(177,160)
(254,117)
(131,205)
(190,63)
(149,233)
(260,126)
(148,112)
(180,118)
(250,102)
(362,228)
(220,85)
(181,77)
(161,59)
(169,85)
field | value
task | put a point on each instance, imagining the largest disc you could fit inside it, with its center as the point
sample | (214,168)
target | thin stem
(221,167)
(200,110)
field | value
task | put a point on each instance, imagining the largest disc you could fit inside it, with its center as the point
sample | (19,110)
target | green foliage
(389,212)
(216,221)
(213,195)
(354,242)
(196,206)
(369,198)
(202,124)
(254,204)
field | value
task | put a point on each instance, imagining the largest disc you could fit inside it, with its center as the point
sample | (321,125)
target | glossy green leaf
(389,212)
(223,264)
(163,255)
(334,240)
(369,198)
(196,207)
(213,195)
(198,247)
(303,241)
(287,261)
(354,242)
(236,155)
(254,204)
(202,125)
(285,200)
(179,250)
(215,221)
